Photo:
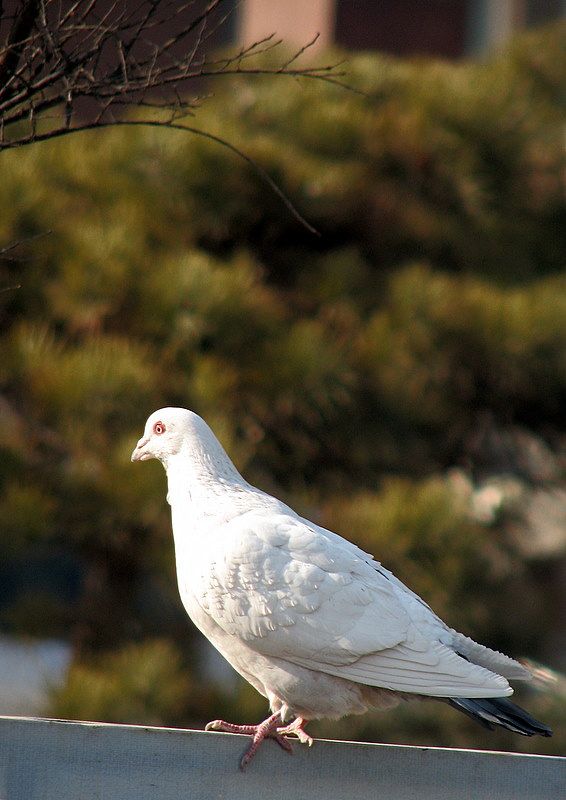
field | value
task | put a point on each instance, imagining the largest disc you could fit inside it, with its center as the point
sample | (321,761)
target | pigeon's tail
(491,712)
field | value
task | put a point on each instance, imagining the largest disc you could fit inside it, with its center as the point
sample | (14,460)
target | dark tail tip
(491,712)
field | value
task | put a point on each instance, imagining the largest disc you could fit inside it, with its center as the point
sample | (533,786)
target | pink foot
(265,730)
(296,729)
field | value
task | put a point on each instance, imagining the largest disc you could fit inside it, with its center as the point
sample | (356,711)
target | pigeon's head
(185,445)
(166,432)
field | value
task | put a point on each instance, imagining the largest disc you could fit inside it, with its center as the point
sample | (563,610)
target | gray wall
(54,760)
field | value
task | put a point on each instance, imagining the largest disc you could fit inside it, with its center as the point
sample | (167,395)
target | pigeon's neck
(201,471)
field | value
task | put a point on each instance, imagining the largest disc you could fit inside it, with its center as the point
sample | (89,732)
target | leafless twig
(71,65)
(9,249)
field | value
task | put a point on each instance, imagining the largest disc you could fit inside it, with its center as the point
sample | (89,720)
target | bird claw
(296,729)
(258,739)
(302,736)
(265,730)
(282,741)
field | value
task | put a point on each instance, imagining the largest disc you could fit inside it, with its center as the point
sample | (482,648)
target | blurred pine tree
(401,379)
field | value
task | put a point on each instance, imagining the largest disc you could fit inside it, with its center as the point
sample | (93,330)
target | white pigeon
(316,625)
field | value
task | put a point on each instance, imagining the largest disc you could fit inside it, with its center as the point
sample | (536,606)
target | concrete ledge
(42,759)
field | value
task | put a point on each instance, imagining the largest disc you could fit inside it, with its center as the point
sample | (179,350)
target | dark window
(540,11)
(403,27)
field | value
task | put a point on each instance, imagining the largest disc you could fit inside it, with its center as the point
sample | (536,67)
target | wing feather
(296,592)
(440,673)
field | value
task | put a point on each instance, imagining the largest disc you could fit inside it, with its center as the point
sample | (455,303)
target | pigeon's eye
(159,428)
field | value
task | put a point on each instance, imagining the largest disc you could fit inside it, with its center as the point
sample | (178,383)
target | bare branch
(7,254)
(70,65)
(172,125)
(19,33)
(14,245)
(299,53)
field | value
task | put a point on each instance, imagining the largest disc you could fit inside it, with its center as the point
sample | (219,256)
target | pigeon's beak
(139,453)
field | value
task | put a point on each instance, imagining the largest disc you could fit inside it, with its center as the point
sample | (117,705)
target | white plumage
(311,621)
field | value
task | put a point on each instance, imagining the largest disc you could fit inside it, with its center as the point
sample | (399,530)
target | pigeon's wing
(426,620)
(293,591)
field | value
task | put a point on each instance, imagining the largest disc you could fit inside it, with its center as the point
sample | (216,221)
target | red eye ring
(159,428)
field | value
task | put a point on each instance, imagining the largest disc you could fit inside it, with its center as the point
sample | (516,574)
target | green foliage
(444,345)
(354,374)
(30,511)
(63,380)
(142,683)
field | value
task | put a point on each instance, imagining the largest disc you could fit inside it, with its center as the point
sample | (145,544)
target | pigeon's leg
(265,730)
(296,728)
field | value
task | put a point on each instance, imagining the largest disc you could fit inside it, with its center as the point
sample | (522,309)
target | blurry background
(400,379)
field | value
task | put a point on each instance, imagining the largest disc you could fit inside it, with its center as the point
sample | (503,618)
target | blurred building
(447,28)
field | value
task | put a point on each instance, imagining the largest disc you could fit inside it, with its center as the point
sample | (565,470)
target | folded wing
(295,592)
